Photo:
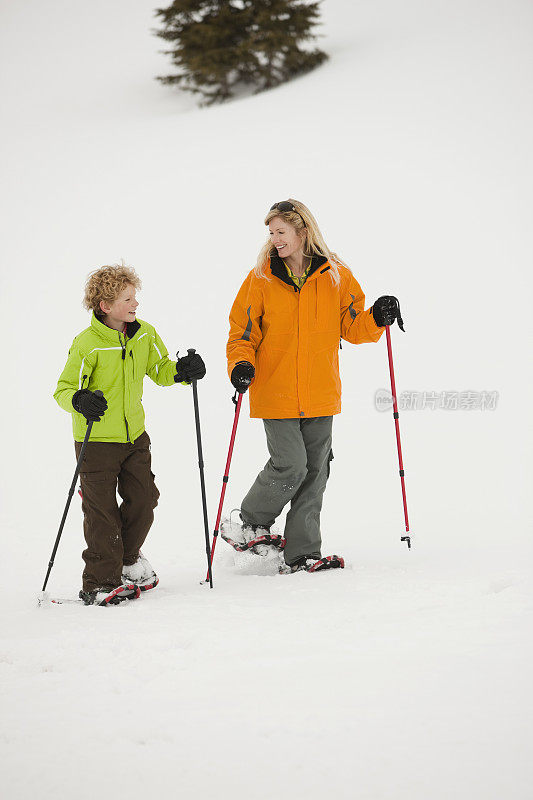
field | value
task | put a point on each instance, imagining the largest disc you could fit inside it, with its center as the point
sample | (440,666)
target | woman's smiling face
(284,237)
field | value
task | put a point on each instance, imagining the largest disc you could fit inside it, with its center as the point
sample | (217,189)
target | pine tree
(221,46)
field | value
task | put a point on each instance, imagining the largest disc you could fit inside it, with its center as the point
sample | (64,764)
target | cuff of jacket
(248,358)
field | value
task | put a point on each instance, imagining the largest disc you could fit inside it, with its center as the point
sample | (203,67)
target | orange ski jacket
(292,338)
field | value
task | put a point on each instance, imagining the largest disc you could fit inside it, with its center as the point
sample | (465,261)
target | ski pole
(191,351)
(396,416)
(226,476)
(98,393)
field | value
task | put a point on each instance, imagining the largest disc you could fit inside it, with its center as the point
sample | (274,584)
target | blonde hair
(306,225)
(106,284)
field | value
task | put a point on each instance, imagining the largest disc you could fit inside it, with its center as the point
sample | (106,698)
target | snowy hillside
(403,676)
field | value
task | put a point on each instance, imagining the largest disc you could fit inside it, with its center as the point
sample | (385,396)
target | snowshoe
(272,539)
(250,537)
(314,564)
(110,597)
(140,573)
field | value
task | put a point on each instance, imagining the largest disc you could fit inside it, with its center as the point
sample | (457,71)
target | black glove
(91,405)
(189,368)
(242,375)
(385,310)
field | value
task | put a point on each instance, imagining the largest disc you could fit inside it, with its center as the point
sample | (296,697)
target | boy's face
(123,308)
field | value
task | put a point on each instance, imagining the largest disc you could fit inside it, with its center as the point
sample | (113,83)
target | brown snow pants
(115,533)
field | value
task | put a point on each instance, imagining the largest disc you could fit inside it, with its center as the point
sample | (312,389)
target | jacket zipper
(298,290)
(301,413)
(123,345)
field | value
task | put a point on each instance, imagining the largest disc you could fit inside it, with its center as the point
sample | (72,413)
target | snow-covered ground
(407,675)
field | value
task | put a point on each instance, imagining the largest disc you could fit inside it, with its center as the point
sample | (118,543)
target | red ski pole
(398,442)
(225,478)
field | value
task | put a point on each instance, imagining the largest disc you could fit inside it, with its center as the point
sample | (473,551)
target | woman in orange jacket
(285,328)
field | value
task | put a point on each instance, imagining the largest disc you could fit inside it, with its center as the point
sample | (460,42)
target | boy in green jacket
(114,354)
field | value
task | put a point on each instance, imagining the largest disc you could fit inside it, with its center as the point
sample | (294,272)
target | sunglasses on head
(285,205)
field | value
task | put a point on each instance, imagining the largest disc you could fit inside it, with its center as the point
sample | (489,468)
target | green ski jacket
(102,358)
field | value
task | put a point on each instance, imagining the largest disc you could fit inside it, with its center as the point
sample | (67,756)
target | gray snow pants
(297,471)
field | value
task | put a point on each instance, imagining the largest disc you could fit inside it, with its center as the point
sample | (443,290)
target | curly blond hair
(307,227)
(106,284)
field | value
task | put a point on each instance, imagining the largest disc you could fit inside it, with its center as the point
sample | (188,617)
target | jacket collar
(277,268)
(132,328)
(109,334)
